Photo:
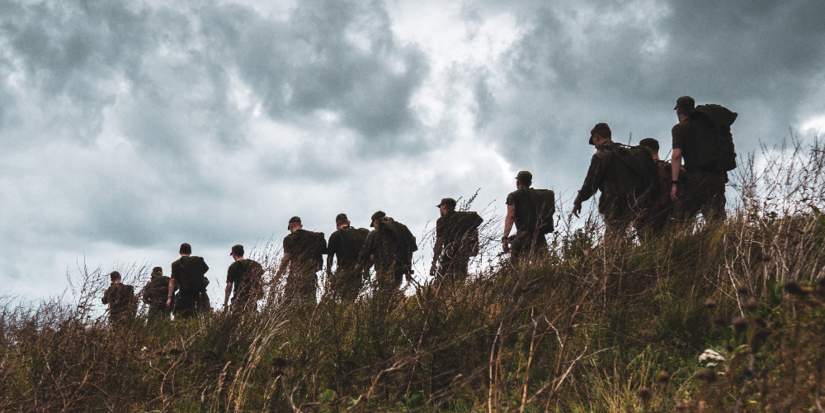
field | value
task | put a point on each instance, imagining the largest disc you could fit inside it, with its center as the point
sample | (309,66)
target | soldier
(624,179)
(246,276)
(188,276)
(122,302)
(528,242)
(456,240)
(345,244)
(154,295)
(303,256)
(389,247)
(705,185)
(664,205)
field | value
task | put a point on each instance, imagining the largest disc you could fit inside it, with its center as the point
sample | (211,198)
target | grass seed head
(739,324)
(644,393)
(742,289)
(710,303)
(751,305)
(663,377)
(793,288)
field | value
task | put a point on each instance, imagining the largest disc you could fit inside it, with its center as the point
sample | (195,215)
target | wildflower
(143,349)
(644,393)
(711,358)
(663,377)
(707,375)
(793,288)
(751,304)
(739,324)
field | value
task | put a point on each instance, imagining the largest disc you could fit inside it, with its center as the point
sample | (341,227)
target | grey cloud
(308,63)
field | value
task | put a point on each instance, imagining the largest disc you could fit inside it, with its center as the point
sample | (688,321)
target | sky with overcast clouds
(130,127)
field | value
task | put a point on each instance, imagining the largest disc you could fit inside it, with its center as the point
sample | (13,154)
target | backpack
(352,239)
(252,280)
(464,231)
(318,246)
(192,279)
(644,173)
(721,151)
(404,238)
(543,201)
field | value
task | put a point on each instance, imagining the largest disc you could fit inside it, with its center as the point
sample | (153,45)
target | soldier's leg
(714,207)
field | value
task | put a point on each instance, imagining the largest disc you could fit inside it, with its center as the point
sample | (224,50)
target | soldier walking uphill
(345,244)
(625,176)
(303,257)
(122,302)
(702,137)
(389,247)
(154,295)
(456,240)
(532,213)
(188,276)
(664,206)
(246,276)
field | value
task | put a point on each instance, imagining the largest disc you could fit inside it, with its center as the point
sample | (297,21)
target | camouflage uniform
(246,277)
(154,295)
(346,282)
(527,240)
(122,304)
(612,177)
(392,245)
(302,281)
(705,186)
(188,303)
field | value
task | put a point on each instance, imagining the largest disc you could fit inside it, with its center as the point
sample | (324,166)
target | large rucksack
(643,181)
(192,270)
(720,150)
(318,246)
(404,238)
(543,202)
(464,232)
(352,239)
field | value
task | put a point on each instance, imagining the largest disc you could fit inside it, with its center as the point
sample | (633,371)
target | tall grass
(590,327)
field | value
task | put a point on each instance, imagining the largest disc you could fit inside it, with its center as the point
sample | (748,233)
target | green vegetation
(590,328)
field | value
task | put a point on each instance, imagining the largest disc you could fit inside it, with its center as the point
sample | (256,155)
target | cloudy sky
(128,127)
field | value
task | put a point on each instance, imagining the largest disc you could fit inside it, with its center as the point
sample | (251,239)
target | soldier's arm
(436,254)
(171,292)
(675,166)
(227,293)
(284,262)
(365,256)
(106,297)
(509,220)
(146,295)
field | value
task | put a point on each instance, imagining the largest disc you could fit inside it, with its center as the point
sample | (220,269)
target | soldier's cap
(598,128)
(237,249)
(114,275)
(293,220)
(446,201)
(685,103)
(376,215)
(525,176)
(649,143)
(341,217)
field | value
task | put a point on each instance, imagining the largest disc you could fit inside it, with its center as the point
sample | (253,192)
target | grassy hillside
(591,328)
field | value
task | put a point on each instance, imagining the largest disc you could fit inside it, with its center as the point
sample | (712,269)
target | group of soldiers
(637,188)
